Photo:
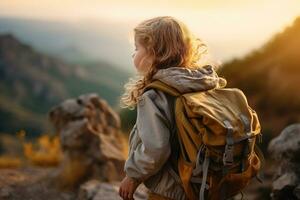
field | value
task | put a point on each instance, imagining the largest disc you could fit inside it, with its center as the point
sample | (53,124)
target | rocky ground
(33,183)
(29,183)
(92,165)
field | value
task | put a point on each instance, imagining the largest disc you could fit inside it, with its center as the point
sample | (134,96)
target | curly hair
(171,44)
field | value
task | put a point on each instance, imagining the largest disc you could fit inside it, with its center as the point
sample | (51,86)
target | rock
(285,149)
(287,144)
(284,180)
(88,190)
(91,140)
(6,192)
(95,190)
(297,191)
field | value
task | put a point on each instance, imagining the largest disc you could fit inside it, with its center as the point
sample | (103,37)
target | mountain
(32,82)
(86,39)
(270,77)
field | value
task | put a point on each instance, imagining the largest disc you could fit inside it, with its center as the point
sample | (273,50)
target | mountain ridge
(32,82)
(269,76)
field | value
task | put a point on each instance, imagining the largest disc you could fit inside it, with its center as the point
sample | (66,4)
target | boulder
(285,149)
(91,140)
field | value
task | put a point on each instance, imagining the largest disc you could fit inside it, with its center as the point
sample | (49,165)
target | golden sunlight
(225,25)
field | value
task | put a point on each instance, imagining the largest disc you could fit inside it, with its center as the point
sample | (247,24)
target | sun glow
(233,26)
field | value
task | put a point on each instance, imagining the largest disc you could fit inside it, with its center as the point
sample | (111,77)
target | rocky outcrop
(285,149)
(91,141)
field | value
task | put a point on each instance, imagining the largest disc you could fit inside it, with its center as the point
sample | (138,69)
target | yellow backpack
(217,133)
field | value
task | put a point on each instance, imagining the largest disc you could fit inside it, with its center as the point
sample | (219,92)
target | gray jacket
(150,139)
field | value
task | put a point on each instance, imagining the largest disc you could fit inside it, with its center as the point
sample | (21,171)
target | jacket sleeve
(153,128)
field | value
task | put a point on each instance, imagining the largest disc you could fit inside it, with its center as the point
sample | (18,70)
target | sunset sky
(230,27)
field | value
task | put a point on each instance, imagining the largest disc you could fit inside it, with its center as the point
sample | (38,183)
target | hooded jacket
(150,139)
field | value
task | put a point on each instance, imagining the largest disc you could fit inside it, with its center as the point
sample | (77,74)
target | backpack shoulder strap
(183,128)
(157,84)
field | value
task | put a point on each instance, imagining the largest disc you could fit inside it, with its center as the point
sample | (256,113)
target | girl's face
(140,58)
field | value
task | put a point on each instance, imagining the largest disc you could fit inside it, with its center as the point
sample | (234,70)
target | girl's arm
(153,127)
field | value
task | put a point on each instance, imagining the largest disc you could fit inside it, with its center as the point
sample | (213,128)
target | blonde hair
(170,43)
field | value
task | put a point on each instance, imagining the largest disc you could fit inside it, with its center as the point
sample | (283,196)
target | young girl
(165,50)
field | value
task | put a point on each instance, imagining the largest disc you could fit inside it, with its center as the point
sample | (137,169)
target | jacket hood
(190,80)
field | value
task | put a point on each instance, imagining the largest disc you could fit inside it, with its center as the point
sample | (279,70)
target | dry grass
(46,151)
(9,162)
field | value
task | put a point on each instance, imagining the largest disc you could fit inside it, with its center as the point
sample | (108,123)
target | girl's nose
(132,55)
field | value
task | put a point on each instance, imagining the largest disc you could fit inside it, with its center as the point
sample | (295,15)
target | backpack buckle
(228,155)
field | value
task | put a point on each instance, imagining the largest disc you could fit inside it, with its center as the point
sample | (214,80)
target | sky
(230,28)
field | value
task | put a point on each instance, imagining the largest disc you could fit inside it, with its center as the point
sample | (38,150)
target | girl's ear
(149,61)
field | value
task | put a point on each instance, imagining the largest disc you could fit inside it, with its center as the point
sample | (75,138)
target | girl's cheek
(135,61)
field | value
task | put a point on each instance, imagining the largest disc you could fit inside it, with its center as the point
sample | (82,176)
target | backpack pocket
(236,181)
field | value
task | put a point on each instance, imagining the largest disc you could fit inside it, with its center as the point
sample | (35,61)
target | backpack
(217,132)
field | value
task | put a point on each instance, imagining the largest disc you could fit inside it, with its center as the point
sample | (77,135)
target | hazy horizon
(230,29)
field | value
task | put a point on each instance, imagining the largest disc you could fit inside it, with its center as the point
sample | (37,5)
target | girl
(168,51)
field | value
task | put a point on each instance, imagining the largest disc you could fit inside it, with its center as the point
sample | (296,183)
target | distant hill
(31,82)
(87,39)
(270,77)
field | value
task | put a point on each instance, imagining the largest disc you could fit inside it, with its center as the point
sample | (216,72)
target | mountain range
(32,82)
(75,42)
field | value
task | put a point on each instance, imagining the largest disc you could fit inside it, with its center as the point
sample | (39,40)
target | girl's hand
(127,188)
